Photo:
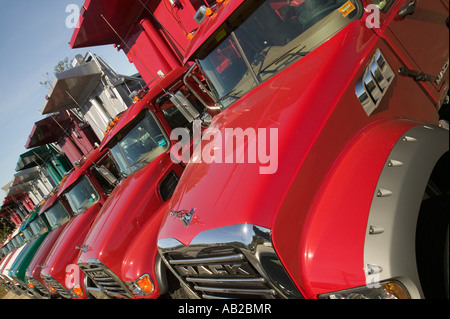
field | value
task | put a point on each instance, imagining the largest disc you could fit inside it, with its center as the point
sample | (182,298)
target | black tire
(432,246)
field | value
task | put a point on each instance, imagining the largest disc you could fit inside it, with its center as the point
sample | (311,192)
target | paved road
(11,295)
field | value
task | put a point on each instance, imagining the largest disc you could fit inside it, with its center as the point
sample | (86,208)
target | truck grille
(38,286)
(240,264)
(222,277)
(105,279)
(57,286)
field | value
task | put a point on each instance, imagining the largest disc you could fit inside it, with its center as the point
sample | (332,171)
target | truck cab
(17,245)
(337,104)
(54,215)
(34,231)
(141,143)
(85,191)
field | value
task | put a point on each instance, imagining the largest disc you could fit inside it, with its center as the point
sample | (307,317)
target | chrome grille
(40,287)
(223,277)
(105,279)
(57,286)
(231,262)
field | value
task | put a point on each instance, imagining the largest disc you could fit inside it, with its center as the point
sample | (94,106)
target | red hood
(298,102)
(64,251)
(35,267)
(128,208)
(226,194)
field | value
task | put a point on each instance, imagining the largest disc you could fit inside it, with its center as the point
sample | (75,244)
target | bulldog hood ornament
(184,215)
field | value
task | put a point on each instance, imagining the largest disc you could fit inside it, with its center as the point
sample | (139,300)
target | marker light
(208,12)
(77,291)
(145,283)
(52,290)
(30,284)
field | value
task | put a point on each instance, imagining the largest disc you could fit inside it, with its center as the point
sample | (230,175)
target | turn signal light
(145,283)
(208,12)
(77,290)
(30,284)
(53,290)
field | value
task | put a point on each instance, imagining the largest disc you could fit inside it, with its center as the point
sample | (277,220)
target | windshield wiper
(285,55)
(232,94)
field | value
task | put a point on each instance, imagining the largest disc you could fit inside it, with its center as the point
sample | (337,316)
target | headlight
(143,286)
(386,290)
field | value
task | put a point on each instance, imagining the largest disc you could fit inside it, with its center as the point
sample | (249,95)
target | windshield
(39,226)
(5,250)
(263,37)
(11,246)
(18,240)
(140,145)
(57,215)
(82,196)
(28,233)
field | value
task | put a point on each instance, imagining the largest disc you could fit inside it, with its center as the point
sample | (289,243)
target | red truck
(353,200)
(58,212)
(85,191)
(128,223)
(54,215)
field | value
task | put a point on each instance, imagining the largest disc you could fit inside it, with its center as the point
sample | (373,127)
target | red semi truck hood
(128,208)
(35,267)
(292,102)
(64,251)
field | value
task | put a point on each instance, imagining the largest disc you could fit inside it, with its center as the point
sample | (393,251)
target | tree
(61,66)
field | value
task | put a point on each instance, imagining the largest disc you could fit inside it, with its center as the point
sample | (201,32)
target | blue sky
(33,38)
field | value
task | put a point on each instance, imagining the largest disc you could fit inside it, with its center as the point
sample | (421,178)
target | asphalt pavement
(11,295)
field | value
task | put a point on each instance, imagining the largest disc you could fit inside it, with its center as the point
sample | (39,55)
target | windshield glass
(263,37)
(57,215)
(5,250)
(18,240)
(11,246)
(140,144)
(28,233)
(82,196)
(39,226)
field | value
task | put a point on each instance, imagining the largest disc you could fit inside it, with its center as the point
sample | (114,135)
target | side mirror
(106,174)
(184,106)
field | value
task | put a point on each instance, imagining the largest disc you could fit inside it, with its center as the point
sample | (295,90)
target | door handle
(408,8)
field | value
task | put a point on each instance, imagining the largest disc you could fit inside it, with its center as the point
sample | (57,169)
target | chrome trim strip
(237,291)
(238,257)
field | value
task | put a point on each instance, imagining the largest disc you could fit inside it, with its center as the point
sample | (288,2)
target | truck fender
(389,247)
(142,255)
